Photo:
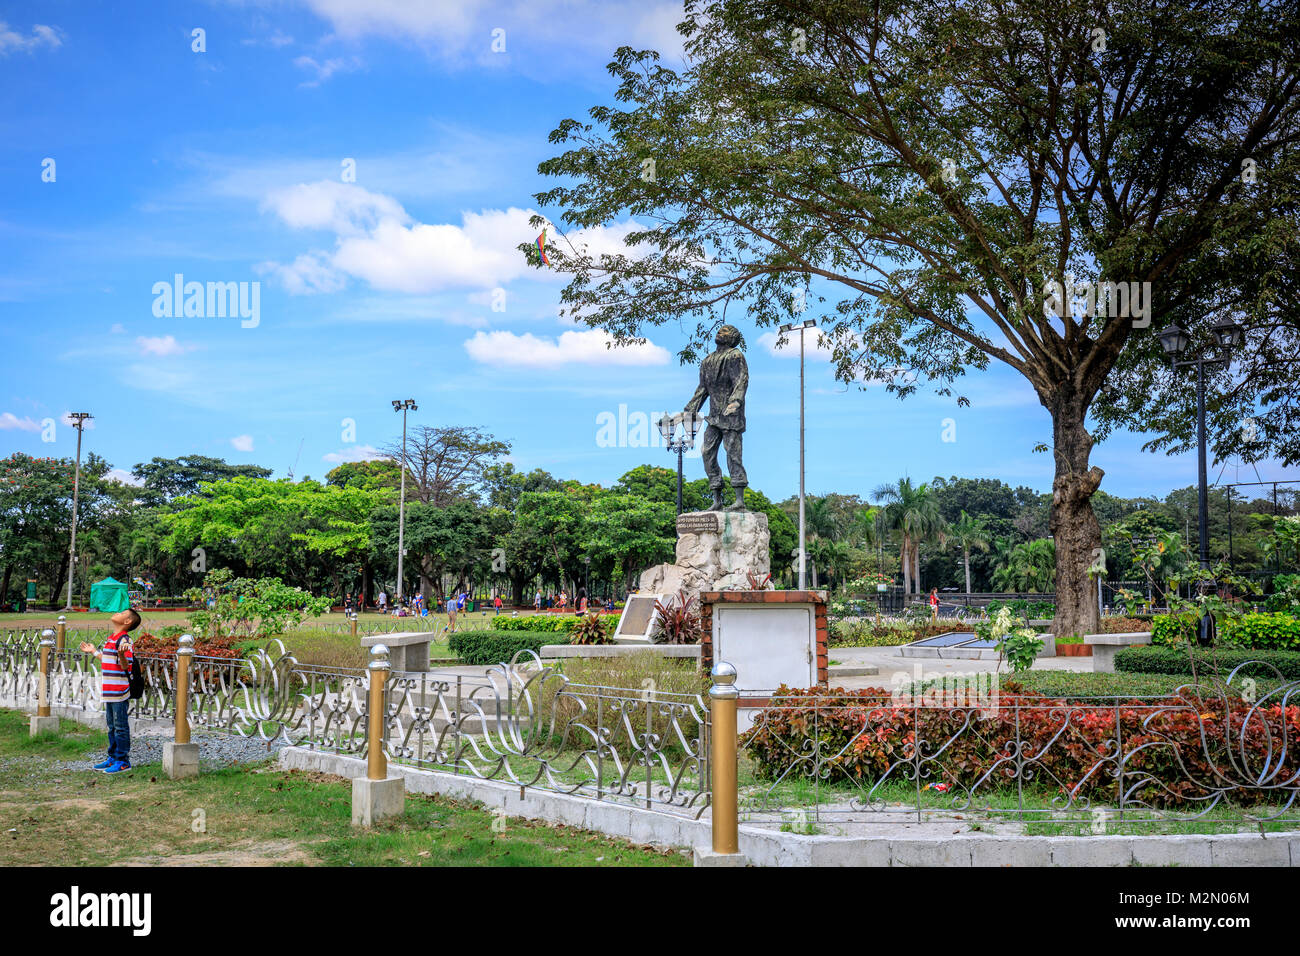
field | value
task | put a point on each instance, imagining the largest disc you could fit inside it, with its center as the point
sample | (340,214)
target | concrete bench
(1106,646)
(408,651)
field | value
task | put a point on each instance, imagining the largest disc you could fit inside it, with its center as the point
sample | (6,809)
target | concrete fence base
(769,847)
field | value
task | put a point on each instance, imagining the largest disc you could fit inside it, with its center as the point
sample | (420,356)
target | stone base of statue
(716,551)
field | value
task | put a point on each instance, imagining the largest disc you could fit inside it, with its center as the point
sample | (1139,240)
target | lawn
(253,815)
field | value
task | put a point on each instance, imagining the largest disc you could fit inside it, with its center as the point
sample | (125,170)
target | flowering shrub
(1181,747)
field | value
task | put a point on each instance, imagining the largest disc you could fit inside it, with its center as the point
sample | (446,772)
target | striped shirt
(117,684)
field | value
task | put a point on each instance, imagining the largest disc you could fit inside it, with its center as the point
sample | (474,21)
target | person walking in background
(496,603)
(115,670)
(580,604)
(934,604)
(537,600)
(383,601)
(453,606)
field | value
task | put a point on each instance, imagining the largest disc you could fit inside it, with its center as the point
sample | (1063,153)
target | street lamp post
(403,406)
(1174,341)
(78,422)
(691,426)
(807,324)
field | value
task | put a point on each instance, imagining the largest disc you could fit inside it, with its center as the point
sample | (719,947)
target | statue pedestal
(716,551)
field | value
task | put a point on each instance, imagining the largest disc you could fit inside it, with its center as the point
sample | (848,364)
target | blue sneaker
(105,764)
(118,767)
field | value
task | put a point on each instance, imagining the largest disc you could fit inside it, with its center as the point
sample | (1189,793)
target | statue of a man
(724,376)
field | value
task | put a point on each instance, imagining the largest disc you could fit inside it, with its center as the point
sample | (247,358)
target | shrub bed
(1179,660)
(549,623)
(889,633)
(1125,625)
(1070,685)
(1264,631)
(495,647)
(1187,746)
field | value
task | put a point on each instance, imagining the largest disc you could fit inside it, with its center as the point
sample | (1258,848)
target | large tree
(165,479)
(940,165)
(446,463)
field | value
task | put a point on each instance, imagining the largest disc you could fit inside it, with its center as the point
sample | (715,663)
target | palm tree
(969,534)
(913,512)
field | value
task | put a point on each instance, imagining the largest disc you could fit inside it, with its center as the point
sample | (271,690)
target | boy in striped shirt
(115,662)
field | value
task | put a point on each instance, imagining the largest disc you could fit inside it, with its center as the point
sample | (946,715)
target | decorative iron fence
(1213,749)
(521,722)
(966,749)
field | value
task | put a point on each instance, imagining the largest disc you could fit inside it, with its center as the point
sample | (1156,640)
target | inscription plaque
(700,522)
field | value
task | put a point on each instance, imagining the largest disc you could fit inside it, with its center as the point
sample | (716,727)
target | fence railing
(520,722)
(1217,748)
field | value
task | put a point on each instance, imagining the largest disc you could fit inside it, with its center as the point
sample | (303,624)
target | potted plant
(1072,646)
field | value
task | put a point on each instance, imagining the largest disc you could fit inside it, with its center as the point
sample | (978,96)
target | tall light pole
(692,425)
(403,406)
(1227,335)
(78,422)
(803,558)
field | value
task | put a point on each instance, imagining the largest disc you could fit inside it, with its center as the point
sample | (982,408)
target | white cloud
(162,345)
(327,68)
(571,348)
(379,243)
(309,274)
(124,477)
(9,421)
(11,41)
(354,453)
(345,208)
(546,29)
(813,349)
(242,442)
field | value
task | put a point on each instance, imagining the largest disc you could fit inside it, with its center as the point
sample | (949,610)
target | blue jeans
(119,730)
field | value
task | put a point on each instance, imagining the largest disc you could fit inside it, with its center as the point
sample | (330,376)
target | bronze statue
(724,376)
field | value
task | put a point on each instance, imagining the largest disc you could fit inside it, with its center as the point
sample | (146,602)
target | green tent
(108,595)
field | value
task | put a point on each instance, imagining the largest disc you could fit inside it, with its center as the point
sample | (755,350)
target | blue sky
(234,165)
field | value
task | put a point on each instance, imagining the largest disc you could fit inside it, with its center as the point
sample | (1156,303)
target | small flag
(541,247)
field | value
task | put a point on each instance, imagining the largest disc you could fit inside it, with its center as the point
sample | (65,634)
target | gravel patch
(216,750)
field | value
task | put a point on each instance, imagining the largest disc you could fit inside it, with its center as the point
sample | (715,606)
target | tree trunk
(904,560)
(58,582)
(1073,523)
(965,554)
(4,586)
(916,558)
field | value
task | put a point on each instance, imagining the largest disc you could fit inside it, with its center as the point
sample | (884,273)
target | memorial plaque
(700,522)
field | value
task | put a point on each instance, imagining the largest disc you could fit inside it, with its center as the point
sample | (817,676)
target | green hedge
(493,647)
(1263,631)
(1178,660)
(1072,684)
(547,623)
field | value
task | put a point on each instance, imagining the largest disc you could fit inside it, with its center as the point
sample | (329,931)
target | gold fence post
(354,623)
(180,756)
(723,697)
(41,722)
(61,634)
(377,795)
(183,655)
(377,763)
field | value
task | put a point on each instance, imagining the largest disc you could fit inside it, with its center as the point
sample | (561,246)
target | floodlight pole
(78,422)
(803,558)
(402,406)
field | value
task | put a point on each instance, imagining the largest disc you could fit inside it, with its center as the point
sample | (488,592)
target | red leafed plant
(677,620)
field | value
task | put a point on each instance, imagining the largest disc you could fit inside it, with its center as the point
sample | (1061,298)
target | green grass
(255,814)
